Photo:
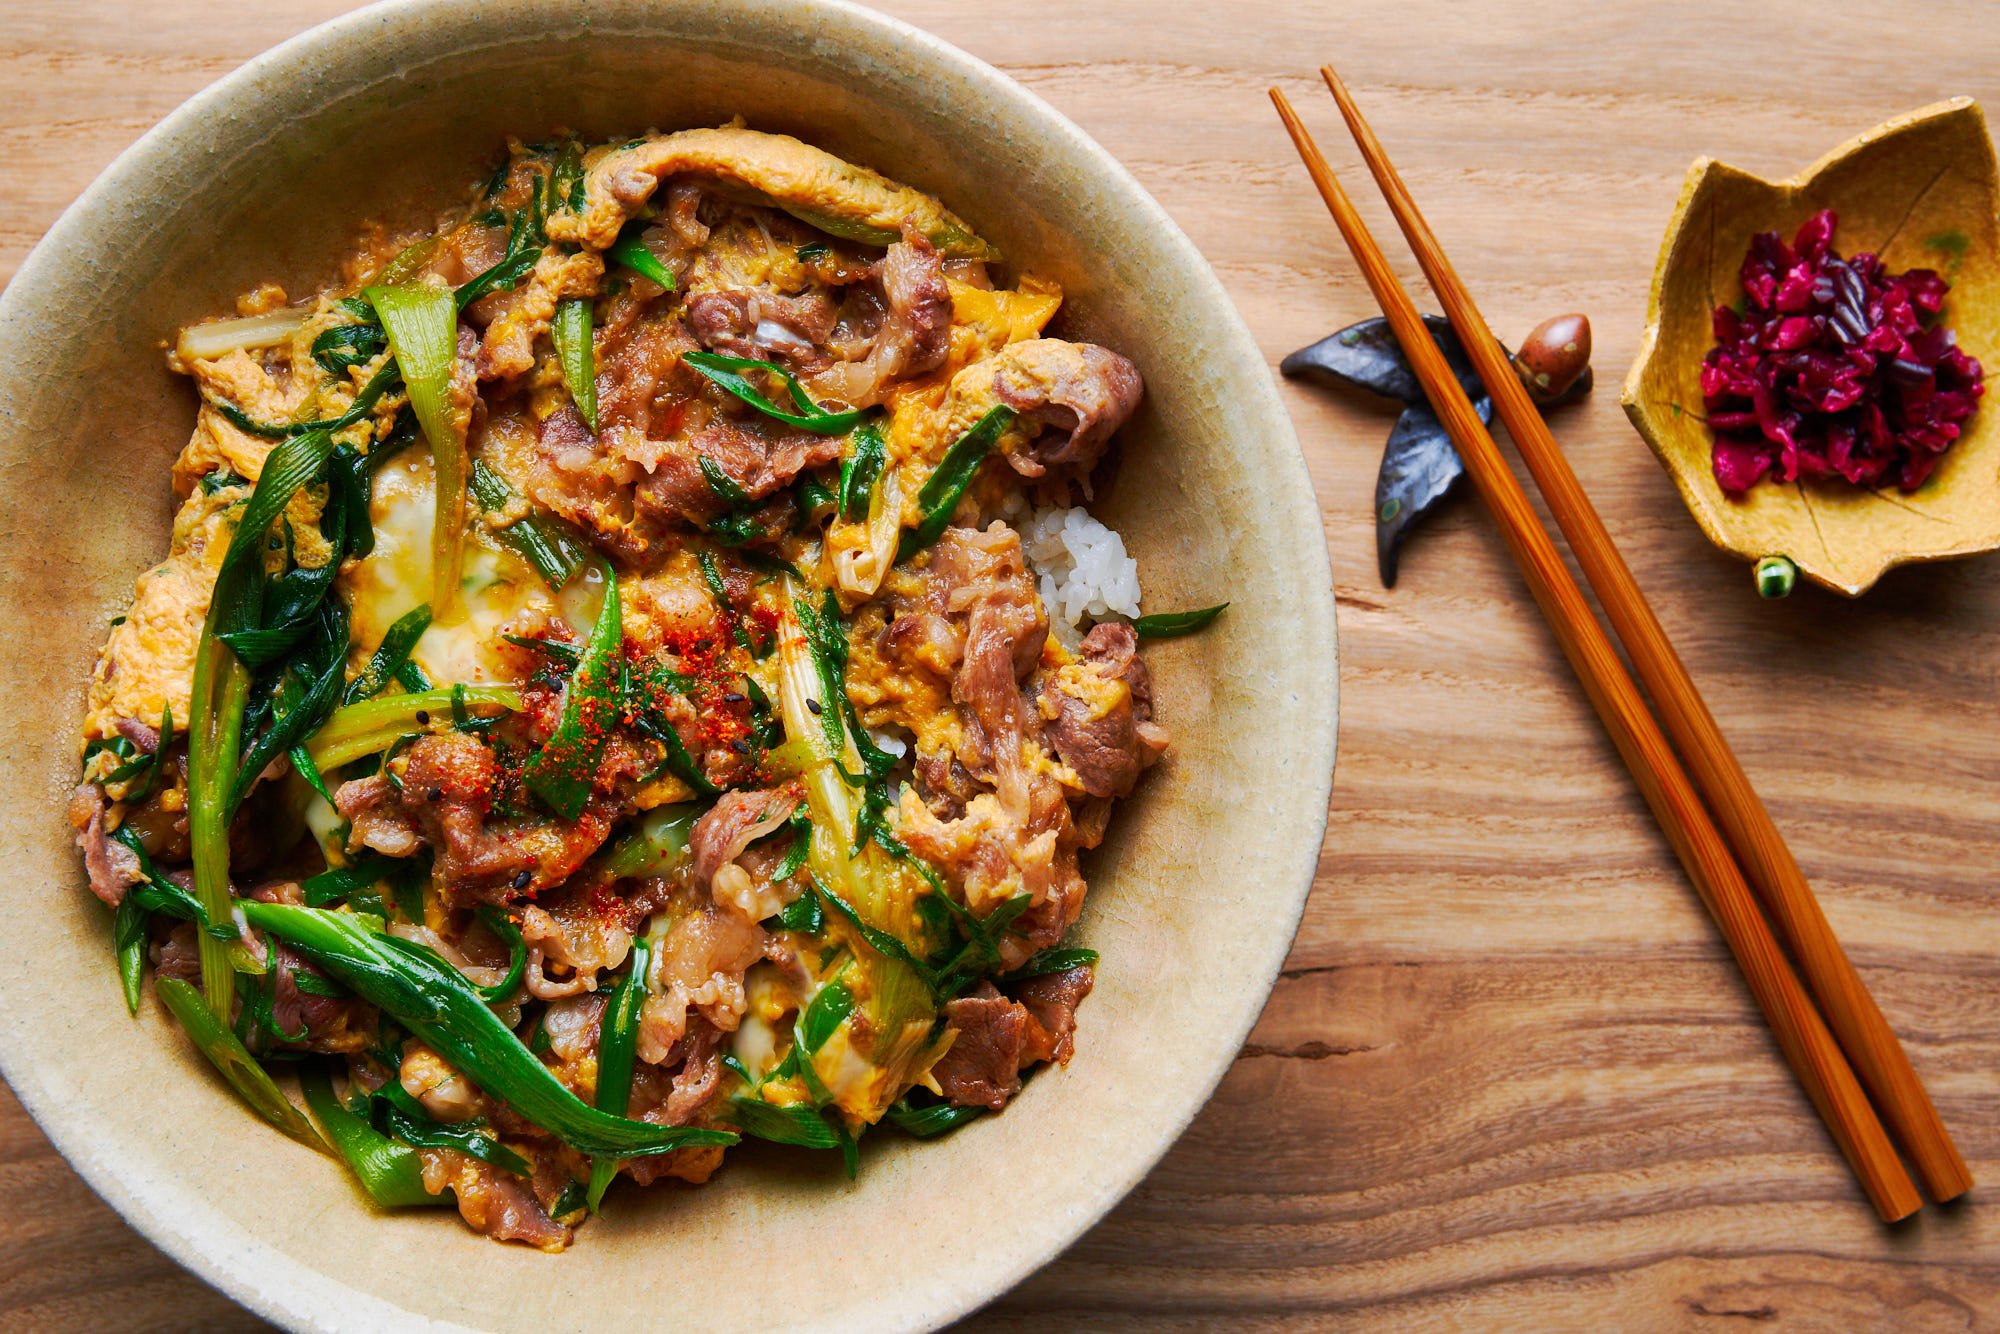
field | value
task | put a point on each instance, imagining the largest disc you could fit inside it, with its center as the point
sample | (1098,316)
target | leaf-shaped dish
(1920,190)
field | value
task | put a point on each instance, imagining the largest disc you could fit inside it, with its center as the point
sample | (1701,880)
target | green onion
(154,893)
(721,483)
(389,656)
(373,725)
(800,1124)
(221,689)
(617,1049)
(525,239)
(436,1003)
(364,403)
(391,1173)
(859,470)
(539,539)
(658,846)
(517,950)
(347,345)
(409,262)
(340,884)
(729,373)
(946,485)
(575,353)
(302,709)
(630,251)
(1169,624)
(250,1080)
(422,325)
(1051,961)
(400,1115)
(932,1121)
(564,769)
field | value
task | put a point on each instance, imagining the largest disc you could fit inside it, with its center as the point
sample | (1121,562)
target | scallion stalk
(391,1173)
(251,1081)
(372,725)
(421,320)
(657,846)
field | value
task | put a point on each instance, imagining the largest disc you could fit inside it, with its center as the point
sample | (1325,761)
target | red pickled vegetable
(1834,368)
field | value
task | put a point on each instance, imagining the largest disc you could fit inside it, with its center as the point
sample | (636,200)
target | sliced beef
(763,325)
(111,866)
(1100,711)
(983,577)
(733,823)
(982,1068)
(999,1037)
(1051,1002)
(448,784)
(894,326)
(1072,396)
(759,455)
(324,1023)
(491,1200)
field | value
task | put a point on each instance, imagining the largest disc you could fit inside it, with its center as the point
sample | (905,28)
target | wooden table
(1509,1076)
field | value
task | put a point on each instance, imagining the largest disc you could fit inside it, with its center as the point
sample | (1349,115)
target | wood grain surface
(1509,1077)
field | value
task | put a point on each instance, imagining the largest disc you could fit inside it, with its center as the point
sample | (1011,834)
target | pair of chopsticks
(1834,1036)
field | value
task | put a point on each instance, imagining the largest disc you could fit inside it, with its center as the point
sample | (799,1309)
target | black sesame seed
(733,698)
(740,746)
(436,794)
(521,881)
(423,716)
(813,704)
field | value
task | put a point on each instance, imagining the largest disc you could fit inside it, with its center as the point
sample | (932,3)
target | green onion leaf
(391,1173)
(524,249)
(517,951)
(422,325)
(339,884)
(347,345)
(617,1050)
(543,542)
(576,355)
(436,1003)
(733,375)
(1051,961)
(803,914)
(932,1121)
(630,251)
(945,487)
(827,1010)
(563,770)
(859,470)
(721,483)
(399,1114)
(250,1080)
(1168,624)
(800,1124)
(389,656)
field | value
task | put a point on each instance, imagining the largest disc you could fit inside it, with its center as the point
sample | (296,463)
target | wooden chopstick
(1879,1059)
(1801,1034)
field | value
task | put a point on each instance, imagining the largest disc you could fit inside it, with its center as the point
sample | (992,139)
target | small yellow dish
(1921,191)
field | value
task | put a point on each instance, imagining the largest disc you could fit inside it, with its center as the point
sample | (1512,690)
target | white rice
(1081,569)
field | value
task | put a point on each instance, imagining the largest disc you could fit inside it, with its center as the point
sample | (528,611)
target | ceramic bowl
(1920,191)
(1194,898)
